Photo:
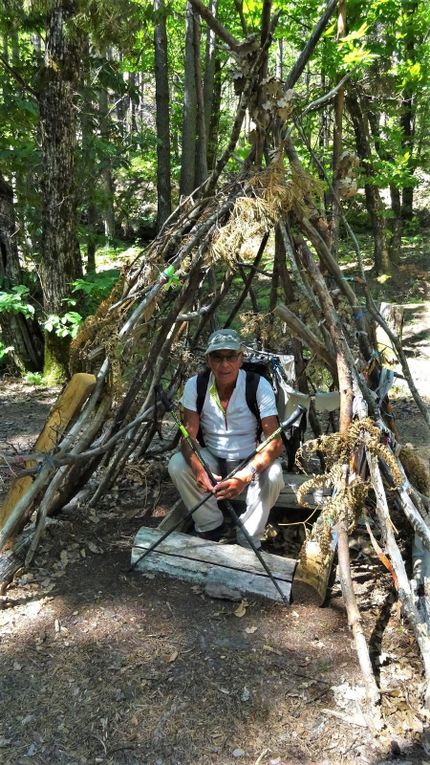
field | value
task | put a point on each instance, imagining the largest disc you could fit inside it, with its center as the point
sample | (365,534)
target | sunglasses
(218,358)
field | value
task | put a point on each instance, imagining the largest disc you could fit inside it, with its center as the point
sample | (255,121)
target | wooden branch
(307,336)
(193,314)
(328,260)
(159,350)
(310,46)
(419,627)
(248,281)
(370,303)
(51,494)
(245,98)
(216,25)
(202,233)
(412,514)
(301,277)
(321,102)
(225,286)
(356,625)
(265,20)
(298,278)
(238,4)
(18,77)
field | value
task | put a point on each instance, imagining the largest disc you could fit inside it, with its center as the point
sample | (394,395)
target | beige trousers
(260,496)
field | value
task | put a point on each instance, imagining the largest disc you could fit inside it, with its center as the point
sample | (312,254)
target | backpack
(255,369)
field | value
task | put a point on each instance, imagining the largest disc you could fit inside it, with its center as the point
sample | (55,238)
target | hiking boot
(214,535)
(229,536)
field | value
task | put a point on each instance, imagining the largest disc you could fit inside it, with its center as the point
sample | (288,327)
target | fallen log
(200,561)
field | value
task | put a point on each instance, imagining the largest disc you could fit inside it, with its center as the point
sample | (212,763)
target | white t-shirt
(231,434)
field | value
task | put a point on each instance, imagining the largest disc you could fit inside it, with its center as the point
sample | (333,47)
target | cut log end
(312,575)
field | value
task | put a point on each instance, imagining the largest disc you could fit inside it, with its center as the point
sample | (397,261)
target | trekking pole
(283,426)
(224,503)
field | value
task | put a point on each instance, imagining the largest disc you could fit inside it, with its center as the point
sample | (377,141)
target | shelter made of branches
(221,241)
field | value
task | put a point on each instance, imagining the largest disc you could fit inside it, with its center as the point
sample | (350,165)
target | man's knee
(176,465)
(275,474)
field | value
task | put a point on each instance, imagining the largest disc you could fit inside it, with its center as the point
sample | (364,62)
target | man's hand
(232,487)
(203,481)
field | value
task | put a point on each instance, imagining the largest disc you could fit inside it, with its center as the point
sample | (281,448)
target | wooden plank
(65,408)
(193,560)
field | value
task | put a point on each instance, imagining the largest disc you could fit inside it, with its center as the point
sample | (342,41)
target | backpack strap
(202,386)
(252,380)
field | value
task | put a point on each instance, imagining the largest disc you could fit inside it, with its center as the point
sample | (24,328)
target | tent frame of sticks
(153,326)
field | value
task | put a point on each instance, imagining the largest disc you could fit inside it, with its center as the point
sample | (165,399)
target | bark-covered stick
(405,594)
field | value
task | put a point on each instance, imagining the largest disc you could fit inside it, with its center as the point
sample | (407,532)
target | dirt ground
(100,665)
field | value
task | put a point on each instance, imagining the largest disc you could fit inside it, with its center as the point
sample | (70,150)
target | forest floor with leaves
(100,665)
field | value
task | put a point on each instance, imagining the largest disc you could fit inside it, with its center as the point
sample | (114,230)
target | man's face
(225,365)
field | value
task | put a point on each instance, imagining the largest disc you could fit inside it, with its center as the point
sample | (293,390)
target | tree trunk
(107,180)
(164,200)
(395,243)
(279,60)
(61,261)
(209,78)
(337,139)
(373,199)
(407,128)
(89,169)
(189,125)
(22,334)
(396,226)
(201,145)
(214,116)
(407,109)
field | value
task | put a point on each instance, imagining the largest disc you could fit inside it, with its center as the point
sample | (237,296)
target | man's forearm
(263,460)
(190,457)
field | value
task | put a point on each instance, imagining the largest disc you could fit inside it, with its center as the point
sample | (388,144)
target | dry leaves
(241,609)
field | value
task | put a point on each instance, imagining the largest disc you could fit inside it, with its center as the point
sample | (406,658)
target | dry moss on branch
(350,491)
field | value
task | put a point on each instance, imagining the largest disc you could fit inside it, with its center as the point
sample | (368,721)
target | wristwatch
(253,470)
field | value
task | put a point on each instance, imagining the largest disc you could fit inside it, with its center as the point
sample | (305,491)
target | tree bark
(201,145)
(61,262)
(355,621)
(164,199)
(406,597)
(214,116)
(209,76)
(189,125)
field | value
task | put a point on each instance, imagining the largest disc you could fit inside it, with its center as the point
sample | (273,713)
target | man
(229,429)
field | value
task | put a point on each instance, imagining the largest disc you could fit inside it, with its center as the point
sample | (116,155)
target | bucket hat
(224,339)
